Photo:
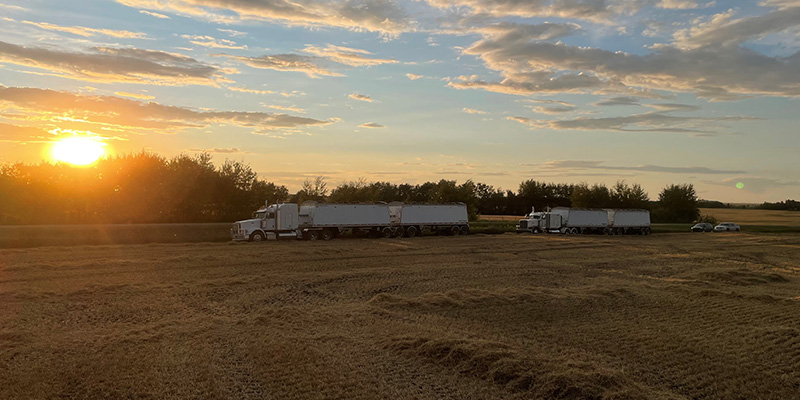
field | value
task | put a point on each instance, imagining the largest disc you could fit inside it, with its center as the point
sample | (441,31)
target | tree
(677,203)
(596,196)
(624,196)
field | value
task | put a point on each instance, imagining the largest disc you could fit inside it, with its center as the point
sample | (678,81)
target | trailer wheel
(387,232)
(464,229)
(454,230)
(312,235)
(411,231)
(399,232)
(326,235)
(257,236)
(647,231)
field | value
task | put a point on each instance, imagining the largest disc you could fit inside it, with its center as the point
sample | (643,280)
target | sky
(653,92)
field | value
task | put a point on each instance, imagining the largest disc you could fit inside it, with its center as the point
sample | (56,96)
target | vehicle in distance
(312,221)
(571,221)
(702,227)
(727,227)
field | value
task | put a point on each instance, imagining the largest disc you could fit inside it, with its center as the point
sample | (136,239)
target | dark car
(702,227)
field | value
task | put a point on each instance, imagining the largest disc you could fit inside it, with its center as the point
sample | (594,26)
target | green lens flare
(739,185)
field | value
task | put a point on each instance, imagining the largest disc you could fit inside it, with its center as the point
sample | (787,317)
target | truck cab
(534,222)
(268,222)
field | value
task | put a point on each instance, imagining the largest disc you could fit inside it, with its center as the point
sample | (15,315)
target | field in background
(672,316)
(16,236)
(754,217)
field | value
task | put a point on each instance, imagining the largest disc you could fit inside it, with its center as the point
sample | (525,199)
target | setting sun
(78,150)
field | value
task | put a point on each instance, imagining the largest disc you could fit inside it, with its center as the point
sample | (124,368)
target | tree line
(148,188)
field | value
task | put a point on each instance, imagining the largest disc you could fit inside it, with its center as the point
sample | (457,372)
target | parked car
(727,227)
(703,227)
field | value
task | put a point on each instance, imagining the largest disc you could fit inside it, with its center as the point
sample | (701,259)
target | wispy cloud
(371,125)
(309,65)
(580,165)
(154,14)
(135,95)
(107,64)
(347,56)
(413,77)
(86,32)
(208,41)
(379,16)
(472,111)
(67,110)
(286,108)
(223,150)
(361,97)
(248,90)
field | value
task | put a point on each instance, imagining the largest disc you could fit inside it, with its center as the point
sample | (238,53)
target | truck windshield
(259,214)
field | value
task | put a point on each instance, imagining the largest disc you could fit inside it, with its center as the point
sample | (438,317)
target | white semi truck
(312,221)
(572,221)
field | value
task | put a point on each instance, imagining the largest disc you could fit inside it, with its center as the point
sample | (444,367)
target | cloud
(286,108)
(472,111)
(371,125)
(248,90)
(309,65)
(66,110)
(135,95)
(154,14)
(356,96)
(721,30)
(596,10)
(576,164)
(413,77)
(226,150)
(552,110)
(20,133)
(716,73)
(645,122)
(12,7)
(678,4)
(232,32)
(619,101)
(384,17)
(106,64)
(86,32)
(208,41)
(347,56)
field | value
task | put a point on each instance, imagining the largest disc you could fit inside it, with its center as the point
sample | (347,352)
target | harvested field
(754,217)
(670,316)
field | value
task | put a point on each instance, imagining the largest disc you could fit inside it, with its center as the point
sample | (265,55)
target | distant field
(754,217)
(671,316)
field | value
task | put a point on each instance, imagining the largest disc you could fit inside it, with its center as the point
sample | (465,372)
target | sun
(78,150)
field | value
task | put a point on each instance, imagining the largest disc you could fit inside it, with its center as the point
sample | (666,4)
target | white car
(727,227)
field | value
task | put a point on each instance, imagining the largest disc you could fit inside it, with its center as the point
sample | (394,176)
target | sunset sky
(649,91)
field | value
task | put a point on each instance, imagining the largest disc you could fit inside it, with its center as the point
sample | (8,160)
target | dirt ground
(694,316)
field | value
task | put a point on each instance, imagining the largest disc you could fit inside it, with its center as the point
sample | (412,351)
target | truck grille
(523,224)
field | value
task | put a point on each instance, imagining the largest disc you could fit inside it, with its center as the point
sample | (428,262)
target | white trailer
(622,222)
(573,221)
(312,221)
(411,219)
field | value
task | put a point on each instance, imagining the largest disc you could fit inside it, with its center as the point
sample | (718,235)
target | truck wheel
(312,235)
(464,229)
(411,231)
(326,235)
(646,231)
(257,236)
(536,231)
(454,230)
(386,232)
(399,232)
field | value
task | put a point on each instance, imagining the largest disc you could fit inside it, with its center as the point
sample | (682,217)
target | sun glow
(78,150)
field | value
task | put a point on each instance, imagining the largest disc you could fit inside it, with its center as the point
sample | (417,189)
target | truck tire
(326,234)
(399,232)
(386,232)
(312,235)
(411,231)
(454,230)
(464,229)
(536,231)
(257,236)
(647,231)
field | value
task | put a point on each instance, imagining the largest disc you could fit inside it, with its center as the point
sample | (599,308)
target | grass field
(754,217)
(671,316)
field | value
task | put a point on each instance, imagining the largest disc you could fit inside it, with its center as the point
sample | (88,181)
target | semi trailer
(312,221)
(572,221)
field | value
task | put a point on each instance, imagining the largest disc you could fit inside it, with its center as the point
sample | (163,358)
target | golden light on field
(78,150)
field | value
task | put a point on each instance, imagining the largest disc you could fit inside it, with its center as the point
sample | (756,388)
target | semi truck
(313,221)
(571,221)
